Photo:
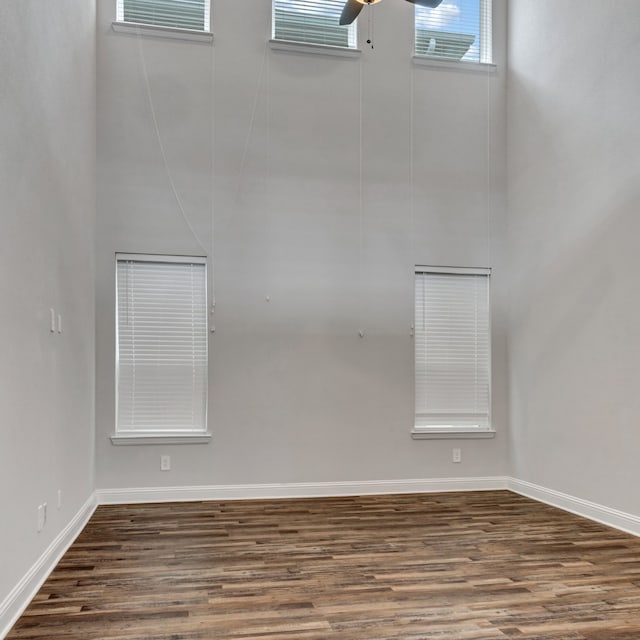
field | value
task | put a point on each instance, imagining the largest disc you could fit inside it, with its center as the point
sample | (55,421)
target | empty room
(318,319)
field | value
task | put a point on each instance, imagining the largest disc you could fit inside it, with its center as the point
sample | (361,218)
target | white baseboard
(20,596)
(297,490)
(605,515)
(621,520)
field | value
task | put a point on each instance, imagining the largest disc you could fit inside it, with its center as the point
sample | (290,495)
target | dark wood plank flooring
(458,566)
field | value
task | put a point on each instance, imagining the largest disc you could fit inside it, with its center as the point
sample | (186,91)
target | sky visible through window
(455,16)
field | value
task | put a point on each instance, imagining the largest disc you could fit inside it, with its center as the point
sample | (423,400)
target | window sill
(457,65)
(160,438)
(444,434)
(315,49)
(162,32)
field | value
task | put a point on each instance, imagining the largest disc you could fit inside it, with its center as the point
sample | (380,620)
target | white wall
(573,239)
(295,394)
(47,203)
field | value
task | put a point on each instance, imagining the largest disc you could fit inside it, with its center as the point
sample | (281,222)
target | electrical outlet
(165,463)
(456,455)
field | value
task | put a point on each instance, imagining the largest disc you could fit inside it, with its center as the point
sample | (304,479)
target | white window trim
(166,437)
(461,271)
(158,31)
(456,65)
(453,432)
(450,434)
(486,46)
(314,49)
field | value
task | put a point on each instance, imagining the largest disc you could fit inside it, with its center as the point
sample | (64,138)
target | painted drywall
(265,153)
(573,235)
(47,202)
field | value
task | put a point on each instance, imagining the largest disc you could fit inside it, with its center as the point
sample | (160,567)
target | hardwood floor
(460,566)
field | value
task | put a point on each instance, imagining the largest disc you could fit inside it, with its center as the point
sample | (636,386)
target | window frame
(159,436)
(455,431)
(120,25)
(485,56)
(303,46)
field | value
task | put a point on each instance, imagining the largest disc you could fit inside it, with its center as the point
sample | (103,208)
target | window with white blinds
(161,350)
(452,350)
(180,14)
(455,30)
(312,21)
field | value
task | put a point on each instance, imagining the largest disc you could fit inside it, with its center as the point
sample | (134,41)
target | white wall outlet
(59,498)
(52,320)
(165,463)
(456,455)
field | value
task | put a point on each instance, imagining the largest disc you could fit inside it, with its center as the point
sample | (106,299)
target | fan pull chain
(370,26)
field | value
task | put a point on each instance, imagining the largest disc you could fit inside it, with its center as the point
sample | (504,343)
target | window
(455,30)
(161,346)
(313,22)
(180,14)
(452,350)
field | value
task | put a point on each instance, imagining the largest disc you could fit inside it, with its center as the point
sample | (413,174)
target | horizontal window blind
(452,350)
(312,21)
(161,345)
(455,30)
(182,14)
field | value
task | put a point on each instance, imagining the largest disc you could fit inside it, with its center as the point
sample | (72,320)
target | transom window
(457,30)
(179,14)
(313,22)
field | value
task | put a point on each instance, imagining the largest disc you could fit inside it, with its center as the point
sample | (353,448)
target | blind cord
(411,184)
(360,211)
(212,270)
(252,120)
(488,186)
(267,162)
(161,145)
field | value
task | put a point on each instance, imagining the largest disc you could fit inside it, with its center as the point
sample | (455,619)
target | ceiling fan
(353,7)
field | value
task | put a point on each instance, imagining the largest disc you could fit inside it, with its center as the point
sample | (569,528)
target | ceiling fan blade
(432,4)
(350,12)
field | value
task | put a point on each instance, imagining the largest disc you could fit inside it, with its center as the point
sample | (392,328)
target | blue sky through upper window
(455,16)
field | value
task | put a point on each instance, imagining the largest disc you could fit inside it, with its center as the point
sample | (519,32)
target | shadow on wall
(575,343)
